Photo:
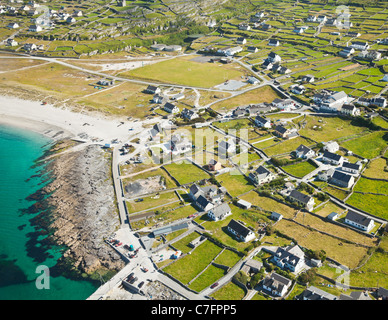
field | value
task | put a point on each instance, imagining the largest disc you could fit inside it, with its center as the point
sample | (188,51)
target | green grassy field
(185,72)
(229,292)
(189,266)
(186,172)
(207,278)
(373,204)
(376,169)
(328,128)
(368,146)
(256,96)
(235,183)
(300,169)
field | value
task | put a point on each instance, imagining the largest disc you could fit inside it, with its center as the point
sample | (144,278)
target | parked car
(214,285)
(141,284)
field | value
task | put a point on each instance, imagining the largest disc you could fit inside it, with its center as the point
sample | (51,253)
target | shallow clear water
(21,250)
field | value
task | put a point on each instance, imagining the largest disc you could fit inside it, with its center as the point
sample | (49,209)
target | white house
(273,43)
(35,28)
(262,122)
(261,175)
(284,104)
(298,89)
(321,18)
(359,221)
(346,52)
(291,258)
(304,152)
(360,45)
(341,179)
(350,110)
(170,108)
(219,212)
(331,146)
(241,232)
(312,18)
(333,102)
(274,58)
(189,114)
(353,168)
(332,158)
(302,199)
(13,25)
(276,284)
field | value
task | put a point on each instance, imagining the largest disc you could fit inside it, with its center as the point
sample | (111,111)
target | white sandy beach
(50,120)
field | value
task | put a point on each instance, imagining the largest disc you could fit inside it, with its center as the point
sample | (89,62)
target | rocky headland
(84,207)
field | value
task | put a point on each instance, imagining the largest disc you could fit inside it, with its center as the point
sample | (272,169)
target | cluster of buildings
(273,63)
(41,17)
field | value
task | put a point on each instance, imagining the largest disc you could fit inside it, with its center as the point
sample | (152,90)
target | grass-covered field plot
(255,96)
(269,204)
(376,168)
(245,129)
(371,203)
(373,273)
(341,251)
(51,78)
(9,64)
(334,229)
(126,99)
(235,183)
(207,278)
(300,169)
(328,208)
(229,291)
(189,266)
(368,146)
(328,128)
(185,172)
(186,72)
(228,258)
(159,202)
(219,229)
(158,173)
(286,146)
(372,186)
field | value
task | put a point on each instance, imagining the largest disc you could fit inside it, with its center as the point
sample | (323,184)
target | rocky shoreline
(83,208)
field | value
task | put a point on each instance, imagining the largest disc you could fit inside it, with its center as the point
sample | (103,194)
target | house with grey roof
(353,168)
(350,110)
(304,152)
(170,108)
(219,212)
(276,285)
(355,295)
(276,216)
(333,102)
(313,294)
(203,203)
(290,258)
(189,114)
(241,232)
(302,199)
(332,158)
(341,179)
(359,221)
(261,175)
(152,89)
(262,122)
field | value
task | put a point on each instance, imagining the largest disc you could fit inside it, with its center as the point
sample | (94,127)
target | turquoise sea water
(22,249)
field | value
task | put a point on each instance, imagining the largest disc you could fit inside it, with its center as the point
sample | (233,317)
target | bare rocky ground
(85,211)
(145,186)
(154,290)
